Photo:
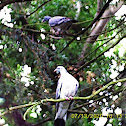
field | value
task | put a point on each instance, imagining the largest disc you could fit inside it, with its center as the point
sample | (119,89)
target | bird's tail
(74,21)
(59,122)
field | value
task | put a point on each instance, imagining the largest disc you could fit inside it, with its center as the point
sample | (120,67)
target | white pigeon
(67,88)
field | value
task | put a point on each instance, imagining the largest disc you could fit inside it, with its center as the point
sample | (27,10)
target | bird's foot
(57,33)
(69,98)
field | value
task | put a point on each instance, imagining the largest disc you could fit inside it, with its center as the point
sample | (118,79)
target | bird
(59,24)
(67,87)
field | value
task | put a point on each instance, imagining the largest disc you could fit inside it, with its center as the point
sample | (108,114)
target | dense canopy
(93,50)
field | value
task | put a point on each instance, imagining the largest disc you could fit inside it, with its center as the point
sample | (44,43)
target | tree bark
(122,103)
(98,28)
(6,2)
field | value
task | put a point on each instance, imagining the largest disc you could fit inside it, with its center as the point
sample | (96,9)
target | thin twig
(82,22)
(6,2)
(37,57)
(94,59)
(61,100)
(99,98)
(38,8)
(102,44)
(83,31)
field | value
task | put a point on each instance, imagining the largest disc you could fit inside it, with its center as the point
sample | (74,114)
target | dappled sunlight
(5,16)
(91,46)
(26,70)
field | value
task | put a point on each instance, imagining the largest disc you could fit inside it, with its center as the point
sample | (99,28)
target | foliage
(28,58)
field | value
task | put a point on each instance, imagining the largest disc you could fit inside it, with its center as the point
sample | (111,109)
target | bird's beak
(55,70)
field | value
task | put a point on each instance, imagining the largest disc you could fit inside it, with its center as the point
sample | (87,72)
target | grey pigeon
(59,24)
(66,88)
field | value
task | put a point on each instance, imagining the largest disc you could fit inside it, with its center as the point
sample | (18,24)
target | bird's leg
(61,33)
(71,97)
(57,33)
(67,98)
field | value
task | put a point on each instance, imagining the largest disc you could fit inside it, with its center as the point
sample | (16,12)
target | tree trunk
(123,100)
(97,28)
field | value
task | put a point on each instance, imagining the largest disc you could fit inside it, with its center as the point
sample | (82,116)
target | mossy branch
(61,100)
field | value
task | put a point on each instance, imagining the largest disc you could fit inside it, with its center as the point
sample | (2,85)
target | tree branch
(61,100)
(99,98)
(6,2)
(99,26)
(91,61)
(43,121)
(83,31)
(101,45)
(38,8)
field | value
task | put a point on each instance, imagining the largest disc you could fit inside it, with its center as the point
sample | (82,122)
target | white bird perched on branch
(66,88)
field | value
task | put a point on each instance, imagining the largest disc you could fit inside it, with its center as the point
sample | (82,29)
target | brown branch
(97,18)
(99,27)
(94,59)
(6,2)
(37,57)
(99,7)
(102,45)
(99,98)
(46,33)
(61,100)
(99,3)
(83,31)
(107,31)
(36,31)
(38,8)
(43,121)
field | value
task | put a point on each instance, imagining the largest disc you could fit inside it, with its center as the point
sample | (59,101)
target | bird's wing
(58,91)
(58,20)
(67,86)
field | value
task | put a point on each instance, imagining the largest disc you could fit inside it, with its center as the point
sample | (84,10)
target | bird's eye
(57,72)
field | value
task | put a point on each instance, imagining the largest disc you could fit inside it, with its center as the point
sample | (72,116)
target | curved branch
(61,100)
(100,26)
(102,45)
(83,31)
(6,2)
(38,8)
(91,61)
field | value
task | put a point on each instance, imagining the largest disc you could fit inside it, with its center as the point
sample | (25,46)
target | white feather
(67,87)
